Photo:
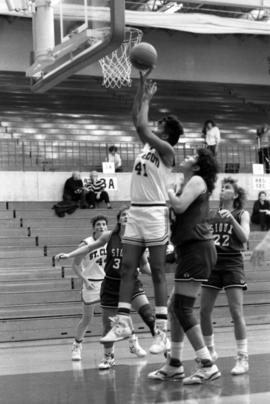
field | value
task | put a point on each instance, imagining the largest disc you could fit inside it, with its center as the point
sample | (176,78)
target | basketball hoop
(116,67)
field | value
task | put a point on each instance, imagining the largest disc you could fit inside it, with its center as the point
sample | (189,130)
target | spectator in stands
(95,191)
(263,138)
(211,135)
(74,190)
(114,157)
(261,211)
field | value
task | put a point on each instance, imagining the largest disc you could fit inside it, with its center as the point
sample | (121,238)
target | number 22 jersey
(227,243)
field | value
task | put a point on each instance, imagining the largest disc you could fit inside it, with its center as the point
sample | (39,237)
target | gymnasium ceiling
(206,17)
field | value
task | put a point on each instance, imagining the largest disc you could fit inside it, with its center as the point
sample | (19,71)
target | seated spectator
(114,157)
(73,190)
(261,211)
(95,191)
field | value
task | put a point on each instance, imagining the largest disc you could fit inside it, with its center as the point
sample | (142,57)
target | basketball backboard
(69,35)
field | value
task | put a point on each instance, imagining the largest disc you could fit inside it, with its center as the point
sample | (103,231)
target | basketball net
(116,67)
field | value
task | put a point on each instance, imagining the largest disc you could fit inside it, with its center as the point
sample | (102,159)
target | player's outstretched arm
(84,249)
(144,130)
(258,254)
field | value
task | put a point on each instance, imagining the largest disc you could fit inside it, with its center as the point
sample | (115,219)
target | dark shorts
(109,293)
(227,278)
(195,261)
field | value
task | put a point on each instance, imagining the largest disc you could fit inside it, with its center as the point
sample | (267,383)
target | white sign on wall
(261,182)
(110,182)
(108,167)
(258,169)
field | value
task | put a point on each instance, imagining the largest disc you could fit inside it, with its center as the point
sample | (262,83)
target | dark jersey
(192,225)
(114,257)
(227,243)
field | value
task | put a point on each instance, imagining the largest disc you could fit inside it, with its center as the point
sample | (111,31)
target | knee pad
(183,307)
(148,317)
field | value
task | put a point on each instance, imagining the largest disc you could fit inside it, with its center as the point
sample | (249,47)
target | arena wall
(182,56)
(48,186)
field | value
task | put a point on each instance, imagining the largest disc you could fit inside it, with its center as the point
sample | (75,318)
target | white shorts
(147,226)
(90,296)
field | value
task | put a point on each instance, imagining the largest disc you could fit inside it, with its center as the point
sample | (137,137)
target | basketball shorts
(91,296)
(147,226)
(195,261)
(227,278)
(110,288)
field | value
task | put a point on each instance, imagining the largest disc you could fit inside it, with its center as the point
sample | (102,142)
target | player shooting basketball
(147,224)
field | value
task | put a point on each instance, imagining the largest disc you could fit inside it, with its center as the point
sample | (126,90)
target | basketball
(143,56)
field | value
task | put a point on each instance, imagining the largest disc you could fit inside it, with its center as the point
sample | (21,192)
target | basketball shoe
(76,352)
(135,348)
(202,374)
(161,343)
(107,362)
(168,372)
(121,329)
(241,365)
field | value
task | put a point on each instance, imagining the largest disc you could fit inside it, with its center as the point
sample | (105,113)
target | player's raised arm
(144,129)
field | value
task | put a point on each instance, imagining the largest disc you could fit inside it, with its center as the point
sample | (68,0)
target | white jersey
(150,178)
(93,263)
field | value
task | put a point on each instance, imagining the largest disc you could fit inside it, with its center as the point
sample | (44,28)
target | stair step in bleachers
(36,285)
(40,301)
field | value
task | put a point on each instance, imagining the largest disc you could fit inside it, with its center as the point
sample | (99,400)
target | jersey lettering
(151,157)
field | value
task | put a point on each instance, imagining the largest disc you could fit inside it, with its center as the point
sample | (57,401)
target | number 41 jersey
(227,243)
(150,178)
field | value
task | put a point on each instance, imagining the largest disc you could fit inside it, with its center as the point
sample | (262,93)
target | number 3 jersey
(114,257)
(93,263)
(150,178)
(227,243)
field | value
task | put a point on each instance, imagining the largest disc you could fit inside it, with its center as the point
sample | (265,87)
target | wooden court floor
(42,372)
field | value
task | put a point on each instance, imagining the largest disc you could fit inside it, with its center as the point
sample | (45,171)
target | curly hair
(96,219)
(208,168)
(240,201)
(173,128)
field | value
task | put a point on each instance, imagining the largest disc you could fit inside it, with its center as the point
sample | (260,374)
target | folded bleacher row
(73,124)
(41,299)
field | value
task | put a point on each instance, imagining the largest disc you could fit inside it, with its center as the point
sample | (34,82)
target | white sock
(242,346)
(177,350)
(161,324)
(209,341)
(203,353)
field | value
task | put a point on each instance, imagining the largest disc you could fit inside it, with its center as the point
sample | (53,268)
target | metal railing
(35,155)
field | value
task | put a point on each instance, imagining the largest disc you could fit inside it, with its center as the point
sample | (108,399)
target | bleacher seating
(81,110)
(39,300)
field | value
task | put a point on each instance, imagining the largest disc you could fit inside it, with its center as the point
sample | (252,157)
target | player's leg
(157,256)
(88,312)
(207,303)
(104,196)
(235,301)
(108,360)
(122,327)
(141,304)
(173,368)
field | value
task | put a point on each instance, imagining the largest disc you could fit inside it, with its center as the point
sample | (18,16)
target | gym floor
(42,372)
